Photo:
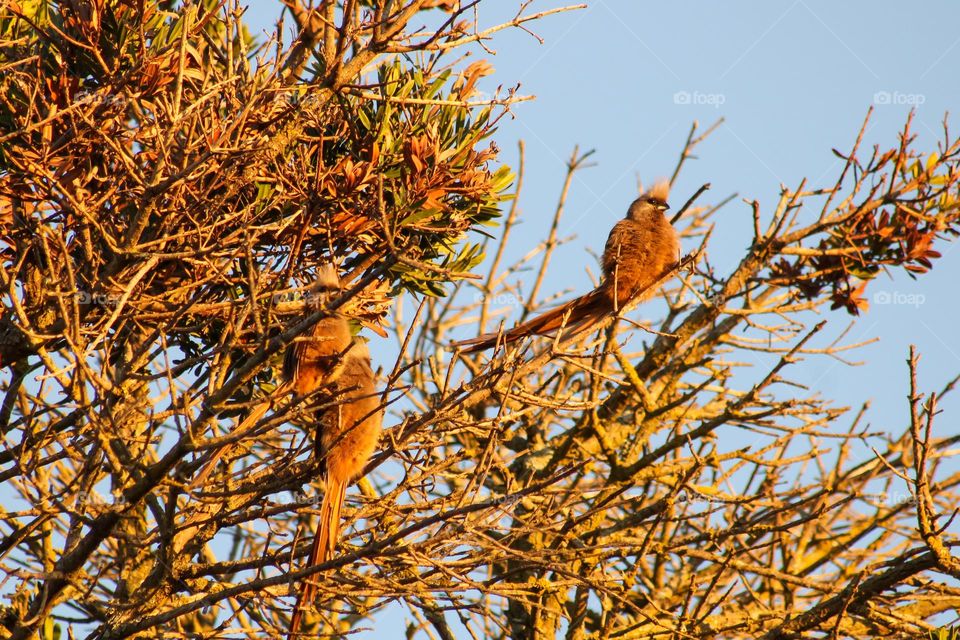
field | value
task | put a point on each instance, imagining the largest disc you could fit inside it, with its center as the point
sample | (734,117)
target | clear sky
(793,80)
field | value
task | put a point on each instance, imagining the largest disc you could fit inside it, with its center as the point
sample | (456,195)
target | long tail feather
(324,544)
(573,317)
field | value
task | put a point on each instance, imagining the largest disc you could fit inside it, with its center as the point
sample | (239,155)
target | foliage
(168,188)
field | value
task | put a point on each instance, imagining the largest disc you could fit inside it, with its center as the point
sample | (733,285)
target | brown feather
(640,250)
(329,367)
(573,317)
(347,434)
(322,549)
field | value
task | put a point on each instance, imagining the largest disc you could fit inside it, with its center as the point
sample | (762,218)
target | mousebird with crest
(332,370)
(641,250)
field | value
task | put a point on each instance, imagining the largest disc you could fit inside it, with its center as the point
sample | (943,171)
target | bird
(641,250)
(334,369)
(331,371)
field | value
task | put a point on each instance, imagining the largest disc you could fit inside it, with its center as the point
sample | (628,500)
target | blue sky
(792,80)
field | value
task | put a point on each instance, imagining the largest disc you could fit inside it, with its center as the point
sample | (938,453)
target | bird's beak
(664,207)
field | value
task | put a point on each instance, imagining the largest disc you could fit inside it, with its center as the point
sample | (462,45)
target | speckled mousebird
(641,249)
(335,367)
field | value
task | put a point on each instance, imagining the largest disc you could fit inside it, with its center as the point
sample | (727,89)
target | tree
(169,188)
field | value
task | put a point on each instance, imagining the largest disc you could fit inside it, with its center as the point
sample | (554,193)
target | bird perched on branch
(333,370)
(641,250)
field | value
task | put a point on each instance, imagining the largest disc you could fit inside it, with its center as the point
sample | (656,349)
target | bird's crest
(327,278)
(659,191)
(323,288)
